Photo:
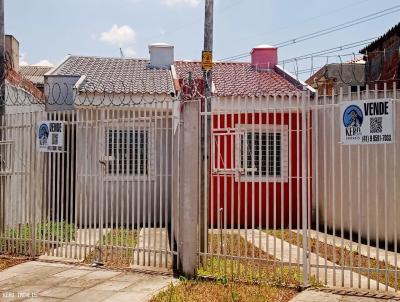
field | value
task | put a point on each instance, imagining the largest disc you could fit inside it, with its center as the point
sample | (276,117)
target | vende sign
(50,136)
(366,122)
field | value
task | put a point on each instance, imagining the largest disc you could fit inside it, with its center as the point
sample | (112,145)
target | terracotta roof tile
(240,79)
(118,75)
(35,74)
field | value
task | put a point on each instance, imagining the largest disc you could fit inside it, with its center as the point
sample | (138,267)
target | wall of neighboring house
(131,185)
(22,166)
(244,197)
(334,77)
(19,100)
(383,63)
(59,92)
(357,185)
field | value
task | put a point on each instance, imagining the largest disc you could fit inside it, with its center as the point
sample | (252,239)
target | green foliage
(17,240)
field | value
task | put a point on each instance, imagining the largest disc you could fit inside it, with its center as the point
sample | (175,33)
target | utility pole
(206,122)
(3,67)
(2,101)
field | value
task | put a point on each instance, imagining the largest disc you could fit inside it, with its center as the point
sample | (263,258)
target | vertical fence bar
(377,239)
(304,189)
(341,201)
(333,143)
(385,202)
(368,172)
(395,150)
(290,184)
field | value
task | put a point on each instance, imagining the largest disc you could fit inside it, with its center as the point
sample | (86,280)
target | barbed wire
(232,79)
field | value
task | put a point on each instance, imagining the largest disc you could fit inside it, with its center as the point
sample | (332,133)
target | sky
(49,30)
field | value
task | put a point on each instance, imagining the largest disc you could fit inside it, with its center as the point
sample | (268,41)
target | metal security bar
(287,201)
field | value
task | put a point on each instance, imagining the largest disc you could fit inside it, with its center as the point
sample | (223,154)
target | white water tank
(161,55)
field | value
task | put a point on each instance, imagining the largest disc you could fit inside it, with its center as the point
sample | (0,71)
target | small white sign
(50,136)
(366,122)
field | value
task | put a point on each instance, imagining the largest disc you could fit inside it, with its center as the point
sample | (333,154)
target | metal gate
(104,197)
(286,202)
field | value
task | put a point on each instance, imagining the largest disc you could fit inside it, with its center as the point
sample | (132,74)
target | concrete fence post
(189,152)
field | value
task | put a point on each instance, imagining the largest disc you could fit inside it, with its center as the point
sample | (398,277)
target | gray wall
(59,92)
(120,198)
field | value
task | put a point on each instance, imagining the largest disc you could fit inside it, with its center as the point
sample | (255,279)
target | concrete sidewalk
(318,296)
(40,281)
(363,249)
(285,252)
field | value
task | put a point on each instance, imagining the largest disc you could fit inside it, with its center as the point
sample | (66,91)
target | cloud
(162,31)
(128,52)
(192,3)
(44,63)
(22,60)
(119,36)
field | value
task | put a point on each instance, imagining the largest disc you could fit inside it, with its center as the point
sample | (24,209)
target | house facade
(255,141)
(119,113)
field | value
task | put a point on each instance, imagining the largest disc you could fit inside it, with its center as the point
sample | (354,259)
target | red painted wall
(255,200)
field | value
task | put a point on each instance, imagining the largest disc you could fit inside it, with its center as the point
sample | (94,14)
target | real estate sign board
(366,122)
(50,136)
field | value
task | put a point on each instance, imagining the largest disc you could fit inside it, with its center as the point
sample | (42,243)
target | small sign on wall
(367,122)
(50,136)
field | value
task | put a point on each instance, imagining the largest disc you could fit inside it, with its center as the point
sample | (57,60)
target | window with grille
(261,154)
(128,152)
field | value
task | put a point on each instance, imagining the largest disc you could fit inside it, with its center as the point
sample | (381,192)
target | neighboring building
(22,95)
(334,77)
(24,105)
(239,175)
(12,52)
(383,59)
(35,74)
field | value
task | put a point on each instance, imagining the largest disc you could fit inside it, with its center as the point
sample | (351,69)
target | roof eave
(294,80)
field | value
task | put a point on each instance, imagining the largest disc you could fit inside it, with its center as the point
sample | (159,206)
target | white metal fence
(282,199)
(286,201)
(105,197)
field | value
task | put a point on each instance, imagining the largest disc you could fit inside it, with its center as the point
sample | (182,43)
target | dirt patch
(9,262)
(118,248)
(200,291)
(344,257)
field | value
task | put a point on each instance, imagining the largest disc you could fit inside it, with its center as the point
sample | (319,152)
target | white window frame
(107,159)
(244,130)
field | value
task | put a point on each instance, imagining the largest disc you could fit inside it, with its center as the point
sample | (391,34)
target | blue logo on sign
(353,116)
(43,134)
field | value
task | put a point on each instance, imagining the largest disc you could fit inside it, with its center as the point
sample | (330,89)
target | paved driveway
(39,281)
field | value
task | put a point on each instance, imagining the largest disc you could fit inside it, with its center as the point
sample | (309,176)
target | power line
(344,25)
(322,53)
(326,31)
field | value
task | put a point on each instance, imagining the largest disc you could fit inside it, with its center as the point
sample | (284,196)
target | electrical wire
(326,31)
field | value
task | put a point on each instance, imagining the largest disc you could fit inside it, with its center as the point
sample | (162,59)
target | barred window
(261,154)
(128,150)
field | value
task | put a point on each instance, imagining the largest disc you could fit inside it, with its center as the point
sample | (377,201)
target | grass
(16,241)
(344,257)
(217,291)
(260,267)
(258,278)
(117,250)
